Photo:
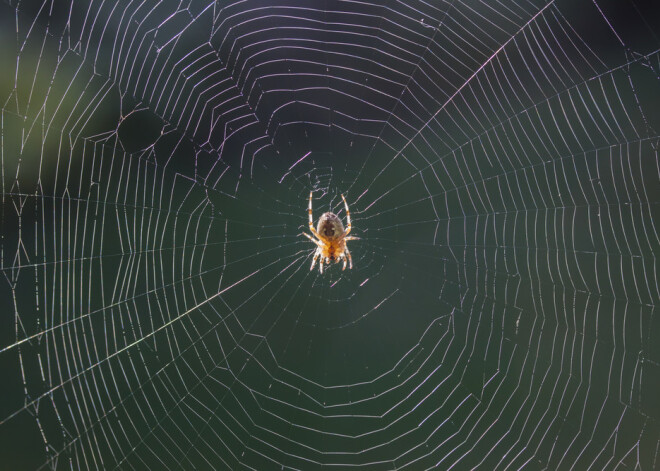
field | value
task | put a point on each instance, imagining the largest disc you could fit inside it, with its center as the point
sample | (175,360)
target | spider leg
(344,258)
(351,238)
(311,220)
(350,259)
(321,264)
(316,256)
(311,238)
(348,216)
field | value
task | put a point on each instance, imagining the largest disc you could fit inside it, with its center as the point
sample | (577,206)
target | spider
(330,237)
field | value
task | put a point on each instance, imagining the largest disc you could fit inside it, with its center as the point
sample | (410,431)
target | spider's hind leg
(348,216)
(311,220)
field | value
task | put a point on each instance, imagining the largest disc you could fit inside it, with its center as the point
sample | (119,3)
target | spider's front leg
(316,256)
(350,259)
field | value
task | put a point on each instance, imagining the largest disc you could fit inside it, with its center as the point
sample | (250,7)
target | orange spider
(330,237)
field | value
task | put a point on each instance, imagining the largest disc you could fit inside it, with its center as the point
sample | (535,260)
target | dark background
(501,165)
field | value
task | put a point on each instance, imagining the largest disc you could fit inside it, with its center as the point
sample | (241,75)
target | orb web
(500,162)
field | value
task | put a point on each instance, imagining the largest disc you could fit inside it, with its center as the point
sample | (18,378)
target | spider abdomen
(330,226)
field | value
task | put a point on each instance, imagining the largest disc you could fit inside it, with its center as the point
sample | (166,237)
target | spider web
(500,160)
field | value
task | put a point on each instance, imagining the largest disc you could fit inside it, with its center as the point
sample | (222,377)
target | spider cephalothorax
(330,237)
